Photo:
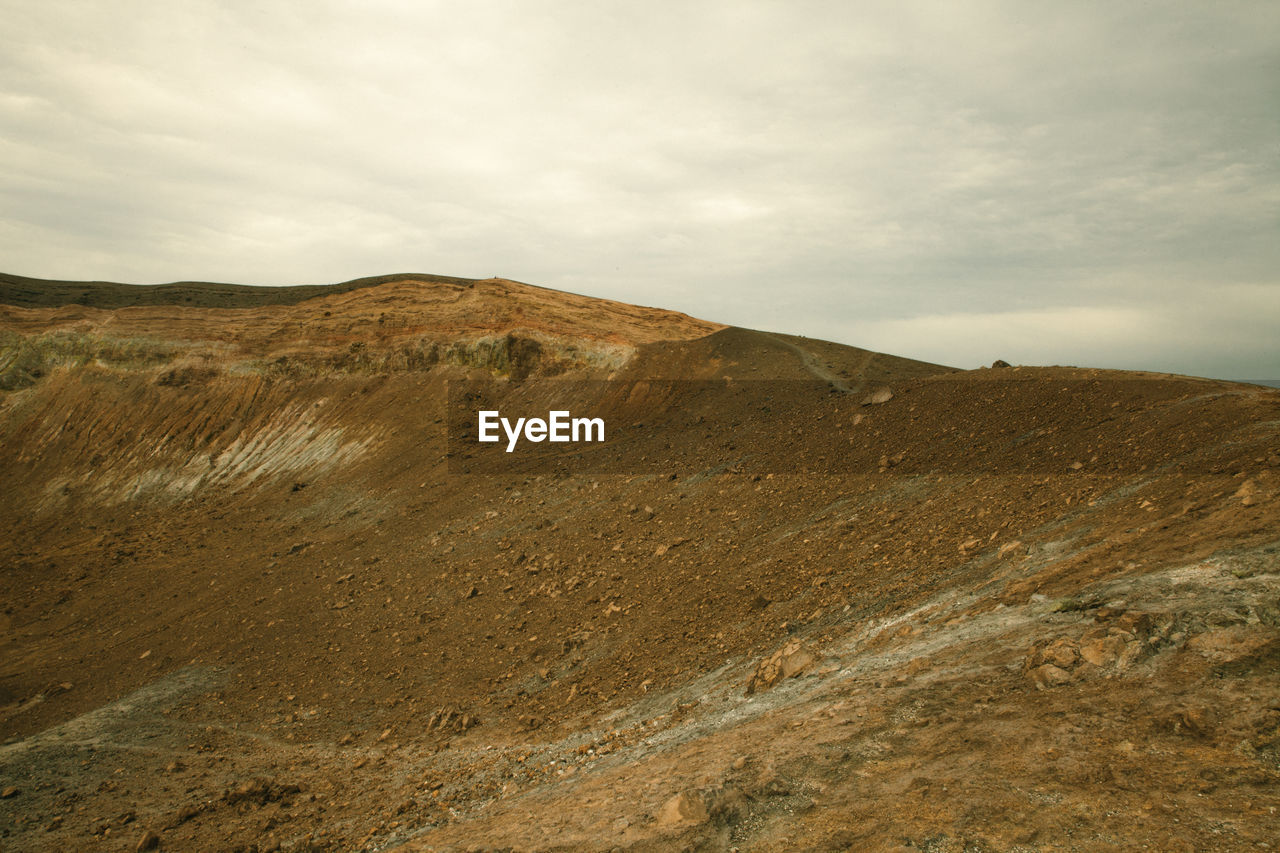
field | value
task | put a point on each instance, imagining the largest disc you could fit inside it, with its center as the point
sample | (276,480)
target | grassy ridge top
(43,293)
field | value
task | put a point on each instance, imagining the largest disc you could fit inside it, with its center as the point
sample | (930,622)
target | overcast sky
(1048,183)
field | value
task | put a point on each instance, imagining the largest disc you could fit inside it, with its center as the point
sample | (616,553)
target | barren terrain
(811,598)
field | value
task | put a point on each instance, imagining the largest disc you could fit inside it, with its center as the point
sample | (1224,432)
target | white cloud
(812,166)
(1182,338)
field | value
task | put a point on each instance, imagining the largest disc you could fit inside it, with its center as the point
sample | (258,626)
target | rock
(1047,675)
(1061,653)
(1256,490)
(1132,623)
(1009,546)
(10,792)
(795,663)
(664,548)
(1102,651)
(788,662)
(259,792)
(450,720)
(1260,488)
(875,398)
(887,462)
(682,809)
(1196,720)
(1000,363)
(149,841)
(1227,645)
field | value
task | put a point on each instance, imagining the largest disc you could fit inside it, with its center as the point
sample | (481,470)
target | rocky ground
(255,599)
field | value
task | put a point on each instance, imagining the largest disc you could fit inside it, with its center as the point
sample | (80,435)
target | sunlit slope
(249,519)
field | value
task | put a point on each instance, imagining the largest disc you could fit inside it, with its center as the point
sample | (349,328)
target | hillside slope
(258,593)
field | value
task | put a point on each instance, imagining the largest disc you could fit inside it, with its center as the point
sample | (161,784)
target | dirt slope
(254,596)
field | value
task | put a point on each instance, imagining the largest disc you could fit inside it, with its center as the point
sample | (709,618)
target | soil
(810,597)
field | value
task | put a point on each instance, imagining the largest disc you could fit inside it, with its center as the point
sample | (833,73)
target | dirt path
(820,370)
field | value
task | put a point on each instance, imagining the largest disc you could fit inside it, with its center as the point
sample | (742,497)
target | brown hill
(24,292)
(260,591)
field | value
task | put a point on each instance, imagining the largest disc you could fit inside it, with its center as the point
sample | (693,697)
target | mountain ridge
(858,601)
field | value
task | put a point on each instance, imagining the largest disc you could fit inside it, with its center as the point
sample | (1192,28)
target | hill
(263,590)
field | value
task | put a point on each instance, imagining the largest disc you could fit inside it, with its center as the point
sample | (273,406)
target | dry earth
(254,600)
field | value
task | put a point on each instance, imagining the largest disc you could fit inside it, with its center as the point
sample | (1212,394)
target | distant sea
(1274,383)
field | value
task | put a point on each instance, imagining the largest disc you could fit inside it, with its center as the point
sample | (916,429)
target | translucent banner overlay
(936,426)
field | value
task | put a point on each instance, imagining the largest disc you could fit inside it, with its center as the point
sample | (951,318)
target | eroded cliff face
(248,601)
(408,323)
(174,400)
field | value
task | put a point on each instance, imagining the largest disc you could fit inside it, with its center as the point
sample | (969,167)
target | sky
(1089,183)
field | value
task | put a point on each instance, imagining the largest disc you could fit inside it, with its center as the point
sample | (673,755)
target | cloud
(815,167)
(1183,338)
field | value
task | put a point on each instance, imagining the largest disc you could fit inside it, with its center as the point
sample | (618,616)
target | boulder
(1102,651)
(1048,675)
(681,810)
(875,398)
(788,662)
